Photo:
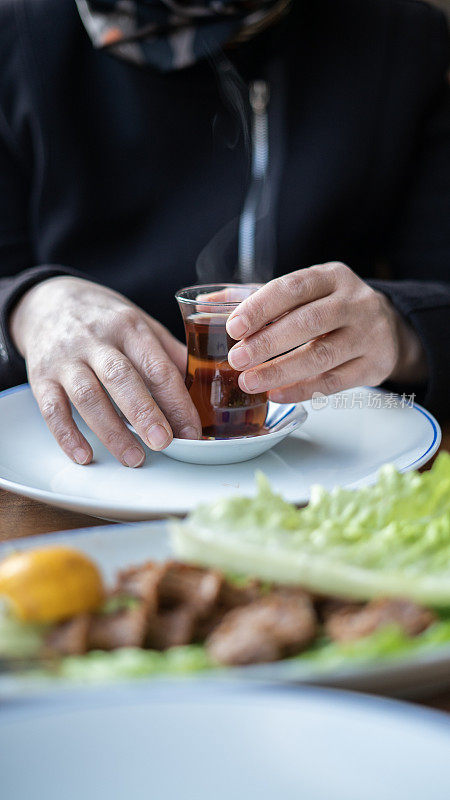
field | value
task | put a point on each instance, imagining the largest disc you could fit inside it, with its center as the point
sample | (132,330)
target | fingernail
(239,358)
(189,433)
(237,327)
(277,398)
(81,456)
(250,381)
(158,437)
(133,457)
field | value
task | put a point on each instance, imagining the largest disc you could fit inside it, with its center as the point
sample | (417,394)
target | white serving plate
(335,445)
(219,742)
(119,546)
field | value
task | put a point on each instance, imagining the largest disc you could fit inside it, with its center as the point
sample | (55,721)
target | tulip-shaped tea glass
(225,410)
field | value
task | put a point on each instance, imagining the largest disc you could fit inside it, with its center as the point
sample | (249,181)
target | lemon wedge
(50,584)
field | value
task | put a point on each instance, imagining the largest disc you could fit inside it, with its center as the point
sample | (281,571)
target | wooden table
(20,516)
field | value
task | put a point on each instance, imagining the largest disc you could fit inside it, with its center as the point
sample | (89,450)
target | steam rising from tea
(243,250)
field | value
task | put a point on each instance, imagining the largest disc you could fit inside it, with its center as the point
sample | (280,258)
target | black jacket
(127,175)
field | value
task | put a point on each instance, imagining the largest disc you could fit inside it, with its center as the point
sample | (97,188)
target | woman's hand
(324,330)
(82,341)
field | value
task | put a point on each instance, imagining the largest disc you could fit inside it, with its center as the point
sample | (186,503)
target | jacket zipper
(259,94)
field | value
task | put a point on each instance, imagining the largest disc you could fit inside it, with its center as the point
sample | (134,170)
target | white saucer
(281,420)
(335,445)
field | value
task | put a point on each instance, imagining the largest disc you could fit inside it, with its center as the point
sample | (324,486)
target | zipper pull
(253,209)
(259,95)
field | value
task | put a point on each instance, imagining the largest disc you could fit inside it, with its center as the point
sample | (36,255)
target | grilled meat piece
(352,621)
(71,637)
(140,582)
(232,595)
(85,632)
(181,584)
(171,628)
(328,606)
(177,597)
(186,600)
(267,629)
(125,628)
(169,585)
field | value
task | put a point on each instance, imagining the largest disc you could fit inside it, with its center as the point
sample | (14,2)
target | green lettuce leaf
(19,639)
(132,662)
(386,643)
(389,539)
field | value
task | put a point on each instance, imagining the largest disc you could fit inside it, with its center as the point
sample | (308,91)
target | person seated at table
(141,141)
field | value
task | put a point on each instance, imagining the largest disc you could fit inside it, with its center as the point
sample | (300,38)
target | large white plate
(219,742)
(119,546)
(336,445)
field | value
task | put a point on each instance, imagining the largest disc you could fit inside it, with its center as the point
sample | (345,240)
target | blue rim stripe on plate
(15,389)
(429,417)
(435,432)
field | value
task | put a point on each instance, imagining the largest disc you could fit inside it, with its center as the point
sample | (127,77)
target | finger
(89,398)
(318,356)
(163,380)
(230,294)
(279,296)
(293,329)
(225,298)
(55,409)
(128,390)
(346,376)
(175,349)
(133,316)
